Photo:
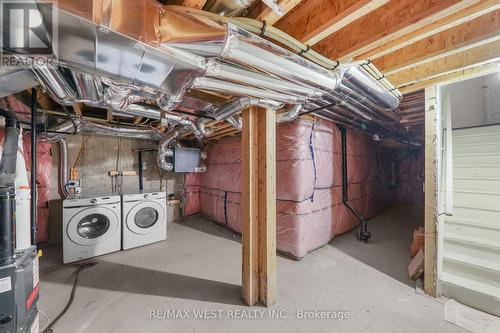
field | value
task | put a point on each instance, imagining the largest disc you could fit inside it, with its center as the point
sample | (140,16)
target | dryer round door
(145,217)
(92,226)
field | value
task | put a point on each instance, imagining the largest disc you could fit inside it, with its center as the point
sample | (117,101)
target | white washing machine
(144,218)
(91,226)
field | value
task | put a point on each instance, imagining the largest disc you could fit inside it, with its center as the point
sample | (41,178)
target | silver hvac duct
(236,105)
(227,72)
(149,112)
(236,122)
(224,41)
(206,83)
(76,125)
(162,51)
(227,8)
(125,132)
(289,115)
(15,80)
(59,131)
(164,151)
(362,83)
(89,89)
(52,79)
(119,41)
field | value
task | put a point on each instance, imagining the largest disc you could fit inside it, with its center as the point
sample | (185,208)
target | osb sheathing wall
(100,157)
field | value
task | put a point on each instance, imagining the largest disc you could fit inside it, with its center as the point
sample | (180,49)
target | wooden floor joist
(479,31)
(455,76)
(198,4)
(445,22)
(314,20)
(394,19)
(260,11)
(259,206)
(466,59)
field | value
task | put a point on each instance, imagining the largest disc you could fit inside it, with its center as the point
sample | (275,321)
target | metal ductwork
(236,122)
(233,52)
(133,52)
(164,150)
(228,8)
(289,115)
(75,125)
(239,104)
(15,80)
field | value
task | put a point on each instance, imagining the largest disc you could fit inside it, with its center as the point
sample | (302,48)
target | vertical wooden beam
(267,206)
(77,107)
(259,206)
(250,188)
(431,188)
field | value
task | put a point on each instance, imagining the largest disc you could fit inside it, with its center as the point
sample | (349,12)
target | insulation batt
(309,204)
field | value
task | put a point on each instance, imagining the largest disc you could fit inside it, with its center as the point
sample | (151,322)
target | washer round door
(92,226)
(145,217)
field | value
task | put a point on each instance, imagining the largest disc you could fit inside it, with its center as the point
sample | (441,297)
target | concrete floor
(199,268)
(389,248)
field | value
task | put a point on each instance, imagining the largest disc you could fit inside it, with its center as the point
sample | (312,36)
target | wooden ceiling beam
(392,20)
(459,75)
(314,20)
(261,12)
(463,60)
(460,16)
(198,4)
(479,31)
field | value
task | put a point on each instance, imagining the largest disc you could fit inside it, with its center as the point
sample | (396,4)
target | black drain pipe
(7,189)
(33,164)
(363,235)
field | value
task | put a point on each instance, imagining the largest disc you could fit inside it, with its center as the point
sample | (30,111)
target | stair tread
(455,190)
(472,261)
(481,223)
(472,284)
(481,242)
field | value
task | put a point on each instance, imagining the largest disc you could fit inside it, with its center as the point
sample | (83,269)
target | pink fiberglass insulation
(309,179)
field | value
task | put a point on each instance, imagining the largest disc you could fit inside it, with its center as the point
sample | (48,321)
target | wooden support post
(431,188)
(250,161)
(259,206)
(267,206)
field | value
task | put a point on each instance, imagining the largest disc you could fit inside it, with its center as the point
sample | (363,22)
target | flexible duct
(236,122)
(164,151)
(52,79)
(239,104)
(190,36)
(58,132)
(289,115)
